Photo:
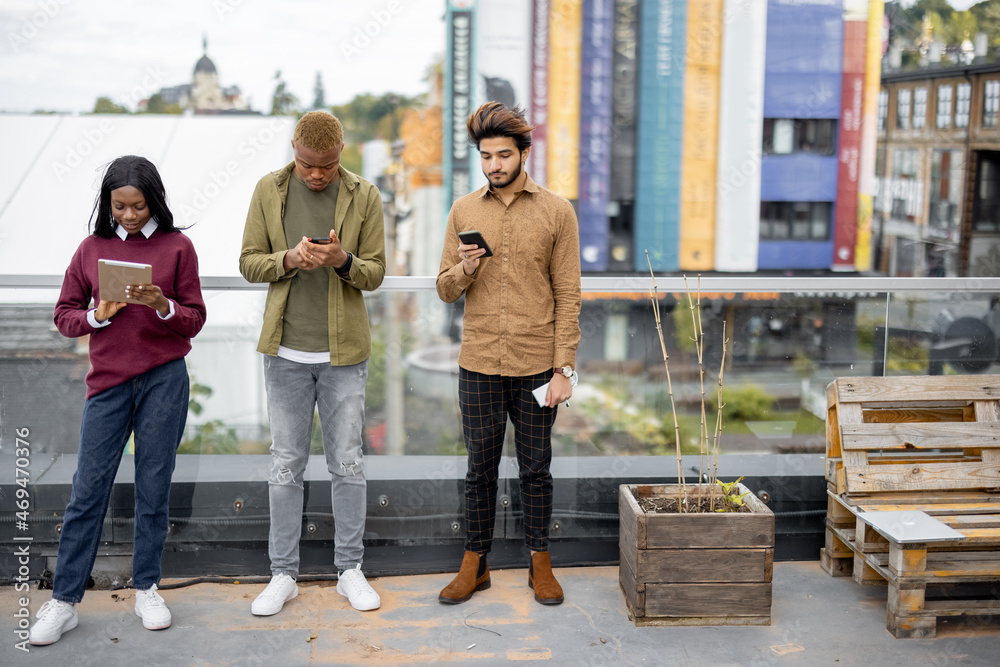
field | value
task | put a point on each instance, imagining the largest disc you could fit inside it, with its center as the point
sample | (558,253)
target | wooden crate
(695,568)
(919,443)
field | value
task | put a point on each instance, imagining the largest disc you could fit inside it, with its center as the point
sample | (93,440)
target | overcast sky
(62,54)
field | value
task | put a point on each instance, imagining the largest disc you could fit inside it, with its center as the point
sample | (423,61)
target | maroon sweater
(137,340)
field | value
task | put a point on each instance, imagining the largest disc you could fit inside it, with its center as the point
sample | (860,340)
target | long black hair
(141,174)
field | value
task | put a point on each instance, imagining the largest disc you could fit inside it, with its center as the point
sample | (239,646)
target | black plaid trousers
(486,401)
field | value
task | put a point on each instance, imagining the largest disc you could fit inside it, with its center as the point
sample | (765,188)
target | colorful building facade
(708,135)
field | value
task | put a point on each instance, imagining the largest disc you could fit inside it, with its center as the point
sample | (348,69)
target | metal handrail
(836,285)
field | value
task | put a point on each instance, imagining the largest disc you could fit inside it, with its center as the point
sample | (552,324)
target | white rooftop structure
(52,169)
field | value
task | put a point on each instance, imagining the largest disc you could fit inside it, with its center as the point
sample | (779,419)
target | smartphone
(475,237)
(321,240)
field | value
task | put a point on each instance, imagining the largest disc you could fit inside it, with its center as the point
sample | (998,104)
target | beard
(502,184)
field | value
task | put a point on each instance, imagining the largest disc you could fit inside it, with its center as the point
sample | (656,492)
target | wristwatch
(567,371)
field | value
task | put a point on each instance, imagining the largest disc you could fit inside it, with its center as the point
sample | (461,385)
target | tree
(960,27)
(916,12)
(157,105)
(105,105)
(283,103)
(988,14)
(319,96)
(368,117)
(351,158)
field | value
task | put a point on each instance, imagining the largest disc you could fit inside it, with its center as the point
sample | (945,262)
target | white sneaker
(54,618)
(281,589)
(353,586)
(151,608)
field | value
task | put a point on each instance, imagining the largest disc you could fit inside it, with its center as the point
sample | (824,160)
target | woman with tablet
(138,383)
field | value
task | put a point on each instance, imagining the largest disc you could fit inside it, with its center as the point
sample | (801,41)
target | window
(963,104)
(816,136)
(944,106)
(903,108)
(883,108)
(946,185)
(991,102)
(779,136)
(920,108)
(906,188)
(986,202)
(784,136)
(800,221)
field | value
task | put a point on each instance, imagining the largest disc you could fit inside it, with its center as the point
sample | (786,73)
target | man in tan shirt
(521,330)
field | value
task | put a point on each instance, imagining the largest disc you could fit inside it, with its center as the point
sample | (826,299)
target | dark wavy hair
(141,174)
(494,119)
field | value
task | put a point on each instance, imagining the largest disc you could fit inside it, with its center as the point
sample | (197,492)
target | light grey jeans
(293,391)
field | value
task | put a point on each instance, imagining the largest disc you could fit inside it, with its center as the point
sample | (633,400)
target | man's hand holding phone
(314,252)
(471,248)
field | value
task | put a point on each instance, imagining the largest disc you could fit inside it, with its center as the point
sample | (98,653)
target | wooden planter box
(696,568)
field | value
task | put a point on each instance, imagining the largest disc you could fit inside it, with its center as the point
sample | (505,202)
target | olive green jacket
(358,223)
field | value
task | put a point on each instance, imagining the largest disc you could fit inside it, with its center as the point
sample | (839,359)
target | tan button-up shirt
(522,306)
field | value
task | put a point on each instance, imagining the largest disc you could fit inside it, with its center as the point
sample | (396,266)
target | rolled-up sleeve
(452,280)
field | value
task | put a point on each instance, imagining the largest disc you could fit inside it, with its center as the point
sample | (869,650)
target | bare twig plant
(670,389)
(708,449)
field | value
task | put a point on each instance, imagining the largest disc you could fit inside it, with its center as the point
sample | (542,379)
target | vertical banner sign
(701,135)
(869,132)
(659,128)
(564,97)
(741,120)
(538,110)
(625,72)
(595,134)
(458,155)
(502,57)
(845,227)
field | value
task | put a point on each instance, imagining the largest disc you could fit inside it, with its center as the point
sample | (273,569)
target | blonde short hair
(319,131)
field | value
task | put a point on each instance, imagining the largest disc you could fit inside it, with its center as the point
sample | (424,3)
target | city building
(707,135)
(938,171)
(204,94)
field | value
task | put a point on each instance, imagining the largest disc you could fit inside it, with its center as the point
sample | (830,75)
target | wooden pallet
(921,444)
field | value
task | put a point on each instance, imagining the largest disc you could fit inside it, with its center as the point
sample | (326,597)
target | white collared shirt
(147,231)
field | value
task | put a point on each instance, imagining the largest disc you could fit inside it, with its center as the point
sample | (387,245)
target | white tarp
(52,169)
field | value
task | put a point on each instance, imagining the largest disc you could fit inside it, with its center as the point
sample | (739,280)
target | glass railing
(778,342)
(785,339)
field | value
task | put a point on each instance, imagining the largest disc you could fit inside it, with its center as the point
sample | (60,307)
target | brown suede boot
(474,575)
(542,581)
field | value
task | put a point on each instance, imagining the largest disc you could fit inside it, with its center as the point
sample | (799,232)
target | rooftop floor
(816,620)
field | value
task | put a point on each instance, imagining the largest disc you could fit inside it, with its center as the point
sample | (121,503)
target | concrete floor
(816,620)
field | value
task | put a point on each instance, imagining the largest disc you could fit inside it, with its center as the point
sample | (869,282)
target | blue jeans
(154,405)
(294,390)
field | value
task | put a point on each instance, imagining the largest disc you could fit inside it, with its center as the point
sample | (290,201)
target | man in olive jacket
(314,231)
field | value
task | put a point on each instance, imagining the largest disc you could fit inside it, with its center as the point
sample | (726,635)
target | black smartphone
(321,240)
(475,237)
